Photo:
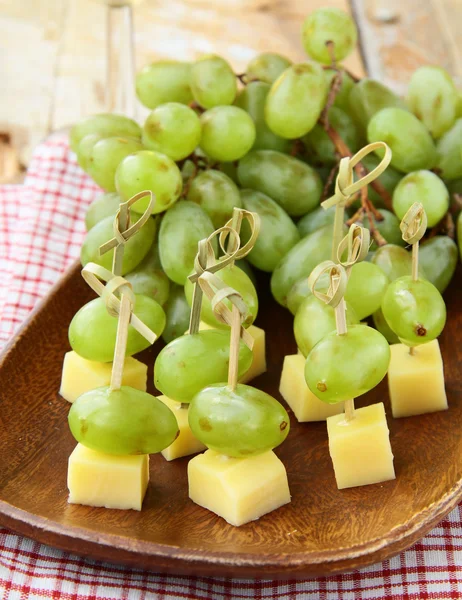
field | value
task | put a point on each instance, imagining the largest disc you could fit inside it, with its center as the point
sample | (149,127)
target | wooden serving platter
(322,531)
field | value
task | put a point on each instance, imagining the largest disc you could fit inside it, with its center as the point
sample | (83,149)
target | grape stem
(355,78)
(329,182)
(445,225)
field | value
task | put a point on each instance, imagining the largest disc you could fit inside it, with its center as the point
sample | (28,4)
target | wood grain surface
(321,531)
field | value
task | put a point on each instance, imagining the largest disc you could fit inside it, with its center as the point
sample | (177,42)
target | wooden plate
(322,531)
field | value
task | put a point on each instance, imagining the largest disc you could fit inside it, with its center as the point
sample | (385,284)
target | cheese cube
(81,375)
(416,381)
(360,449)
(97,479)
(293,388)
(238,489)
(185,443)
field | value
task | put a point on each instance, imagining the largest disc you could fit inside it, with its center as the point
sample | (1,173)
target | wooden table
(52,52)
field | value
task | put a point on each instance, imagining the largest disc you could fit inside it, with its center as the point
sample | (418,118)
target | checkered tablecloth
(41,229)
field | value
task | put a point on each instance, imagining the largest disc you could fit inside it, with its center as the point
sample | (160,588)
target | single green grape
(297,293)
(242,422)
(106,156)
(394,261)
(295,101)
(278,233)
(136,247)
(217,194)
(293,184)
(149,279)
(267,67)
(448,152)
(300,261)
(424,187)
(252,99)
(454,187)
(237,279)
(389,179)
(366,287)
(314,320)
(320,148)
(213,82)
(177,311)
(93,331)
(411,145)
(342,367)
(329,24)
(103,206)
(84,149)
(228,133)
(191,362)
(342,97)
(172,129)
(230,169)
(433,98)
(314,220)
(438,257)
(388,227)
(149,171)
(181,229)
(382,326)
(104,125)
(414,310)
(368,97)
(244,265)
(164,81)
(122,422)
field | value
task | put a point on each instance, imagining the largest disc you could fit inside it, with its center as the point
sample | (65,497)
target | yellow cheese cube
(360,449)
(293,388)
(97,479)
(81,375)
(185,444)
(416,381)
(238,489)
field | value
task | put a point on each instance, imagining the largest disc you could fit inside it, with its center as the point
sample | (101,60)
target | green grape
(148,277)
(244,266)
(122,422)
(294,185)
(177,311)
(342,97)
(240,423)
(389,179)
(411,145)
(414,310)
(314,220)
(388,228)
(228,133)
(438,256)
(237,279)
(318,145)
(213,82)
(382,326)
(149,171)
(433,98)
(84,149)
(300,261)
(448,152)
(164,81)
(136,247)
(459,104)
(106,156)
(267,67)
(230,169)
(181,229)
(252,99)
(191,362)
(459,233)
(366,286)
(424,187)
(103,206)
(314,320)
(454,187)
(296,100)
(329,24)
(278,233)
(172,129)
(93,331)
(297,293)
(394,261)
(368,97)
(342,367)
(104,125)
(217,194)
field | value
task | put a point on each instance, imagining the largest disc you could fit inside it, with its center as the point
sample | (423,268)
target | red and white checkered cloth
(41,229)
